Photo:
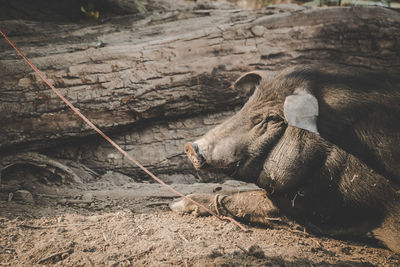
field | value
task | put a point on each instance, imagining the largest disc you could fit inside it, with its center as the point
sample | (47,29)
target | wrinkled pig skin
(341,179)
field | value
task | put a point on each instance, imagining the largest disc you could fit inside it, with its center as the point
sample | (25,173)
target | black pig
(323,142)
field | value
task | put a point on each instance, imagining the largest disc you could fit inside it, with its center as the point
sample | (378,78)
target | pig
(322,142)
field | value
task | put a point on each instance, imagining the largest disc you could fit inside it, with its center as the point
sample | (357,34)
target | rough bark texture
(156,82)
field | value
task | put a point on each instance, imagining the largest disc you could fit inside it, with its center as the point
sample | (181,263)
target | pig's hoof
(185,206)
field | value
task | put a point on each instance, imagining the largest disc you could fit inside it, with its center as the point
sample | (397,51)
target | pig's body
(323,142)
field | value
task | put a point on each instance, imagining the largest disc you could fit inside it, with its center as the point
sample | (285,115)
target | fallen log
(155,82)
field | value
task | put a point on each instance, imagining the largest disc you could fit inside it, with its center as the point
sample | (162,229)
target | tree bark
(157,82)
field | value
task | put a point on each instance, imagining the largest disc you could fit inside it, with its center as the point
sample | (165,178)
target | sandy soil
(121,223)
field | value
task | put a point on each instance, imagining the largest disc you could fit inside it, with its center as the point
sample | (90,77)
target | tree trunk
(156,82)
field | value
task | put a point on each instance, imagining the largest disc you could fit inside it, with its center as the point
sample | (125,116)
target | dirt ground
(116,222)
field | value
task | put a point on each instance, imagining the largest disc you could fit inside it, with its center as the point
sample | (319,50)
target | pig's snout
(193,152)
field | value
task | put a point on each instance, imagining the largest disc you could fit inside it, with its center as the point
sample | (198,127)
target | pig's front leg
(251,207)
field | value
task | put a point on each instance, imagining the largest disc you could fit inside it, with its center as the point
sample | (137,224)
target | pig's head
(241,145)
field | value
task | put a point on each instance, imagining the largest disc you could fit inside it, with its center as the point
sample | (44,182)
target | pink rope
(94,127)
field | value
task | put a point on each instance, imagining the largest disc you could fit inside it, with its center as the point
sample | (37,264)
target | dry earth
(113,221)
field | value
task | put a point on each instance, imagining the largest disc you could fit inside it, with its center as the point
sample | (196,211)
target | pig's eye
(269,119)
(265,120)
(257,120)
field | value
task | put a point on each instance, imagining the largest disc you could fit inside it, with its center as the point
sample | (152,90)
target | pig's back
(360,112)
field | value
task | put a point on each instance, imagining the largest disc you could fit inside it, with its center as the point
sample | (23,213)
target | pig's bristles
(41,75)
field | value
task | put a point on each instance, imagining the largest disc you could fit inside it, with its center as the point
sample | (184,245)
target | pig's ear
(301,110)
(248,82)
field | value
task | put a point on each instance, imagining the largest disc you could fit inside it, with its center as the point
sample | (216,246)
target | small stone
(256,251)
(347,250)
(62,201)
(215,253)
(258,30)
(25,83)
(24,196)
(87,197)
(61,230)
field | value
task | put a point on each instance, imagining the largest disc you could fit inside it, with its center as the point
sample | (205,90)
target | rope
(94,127)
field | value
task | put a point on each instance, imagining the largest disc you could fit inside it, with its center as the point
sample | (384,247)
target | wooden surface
(158,81)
